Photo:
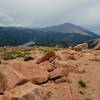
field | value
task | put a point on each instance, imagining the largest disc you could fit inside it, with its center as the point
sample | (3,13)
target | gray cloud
(40,13)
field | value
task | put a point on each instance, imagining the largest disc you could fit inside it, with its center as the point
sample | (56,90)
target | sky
(42,13)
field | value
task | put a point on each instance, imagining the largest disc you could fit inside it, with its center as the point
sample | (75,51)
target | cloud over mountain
(39,13)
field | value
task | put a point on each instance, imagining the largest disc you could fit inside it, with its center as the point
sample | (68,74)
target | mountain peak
(67,28)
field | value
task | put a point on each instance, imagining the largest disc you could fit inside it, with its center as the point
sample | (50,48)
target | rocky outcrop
(49,56)
(80,47)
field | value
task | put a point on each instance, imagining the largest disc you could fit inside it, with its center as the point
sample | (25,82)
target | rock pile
(21,80)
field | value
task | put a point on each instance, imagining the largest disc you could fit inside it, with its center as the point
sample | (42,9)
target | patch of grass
(14,54)
(82,84)
(1,49)
(88,97)
(22,54)
(46,49)
(28,49)
(8,56)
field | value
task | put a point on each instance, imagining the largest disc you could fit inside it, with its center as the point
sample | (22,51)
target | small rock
(82,91)
(95,59)
(27,58)
(60,80)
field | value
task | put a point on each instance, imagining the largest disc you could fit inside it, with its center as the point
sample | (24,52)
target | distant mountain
(60,35)
(68,28)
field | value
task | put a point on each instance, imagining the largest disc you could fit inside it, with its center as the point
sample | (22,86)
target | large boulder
(10,78)
(27,91)
(34,72)
(80,47)
(49,56)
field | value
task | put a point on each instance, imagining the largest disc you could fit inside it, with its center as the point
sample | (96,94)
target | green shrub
(82,84)
(8,56)
(88,97)
(14,54)
(0,62)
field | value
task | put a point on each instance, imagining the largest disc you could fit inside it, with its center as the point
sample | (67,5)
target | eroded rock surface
(27,91)
(10,77)
(33,72)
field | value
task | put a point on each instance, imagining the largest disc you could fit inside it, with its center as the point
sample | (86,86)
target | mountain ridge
(15,36)
(67,27)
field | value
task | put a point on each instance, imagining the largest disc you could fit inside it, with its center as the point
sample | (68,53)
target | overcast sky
(41,13)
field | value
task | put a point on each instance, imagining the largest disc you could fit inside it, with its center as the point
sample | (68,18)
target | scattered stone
(27,58)
(82,91)
(60,80)
(80,47)
(95,59)
(27,91)
(50,55)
